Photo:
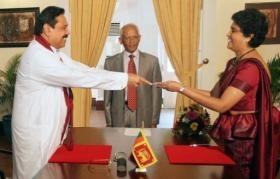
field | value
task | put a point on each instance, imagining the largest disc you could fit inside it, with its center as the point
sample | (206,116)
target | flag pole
(142,148)
(141,170)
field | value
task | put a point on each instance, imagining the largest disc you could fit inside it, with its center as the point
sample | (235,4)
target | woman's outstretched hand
(173,86)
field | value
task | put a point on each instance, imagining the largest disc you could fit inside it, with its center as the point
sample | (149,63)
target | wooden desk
(121,143)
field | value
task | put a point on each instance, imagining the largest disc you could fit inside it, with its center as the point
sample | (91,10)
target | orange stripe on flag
(142,152)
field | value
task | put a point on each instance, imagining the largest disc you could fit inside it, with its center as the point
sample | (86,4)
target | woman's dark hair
(252,21)
(47,16)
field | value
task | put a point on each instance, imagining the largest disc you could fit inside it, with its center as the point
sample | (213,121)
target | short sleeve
(247,77)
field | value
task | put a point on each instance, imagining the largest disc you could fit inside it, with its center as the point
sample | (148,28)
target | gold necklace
(237,59)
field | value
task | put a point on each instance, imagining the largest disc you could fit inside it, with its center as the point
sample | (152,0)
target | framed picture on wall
(17,26)
(272,11)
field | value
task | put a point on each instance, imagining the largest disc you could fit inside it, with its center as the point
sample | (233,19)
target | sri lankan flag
(142,152)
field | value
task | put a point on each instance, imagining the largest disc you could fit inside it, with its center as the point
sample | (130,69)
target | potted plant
(7,88)
(274,67)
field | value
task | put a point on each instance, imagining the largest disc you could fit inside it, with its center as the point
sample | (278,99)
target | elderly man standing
(129,107)
(43,100)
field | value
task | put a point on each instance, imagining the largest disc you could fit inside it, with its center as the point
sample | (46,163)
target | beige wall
(217,20)
(6,53)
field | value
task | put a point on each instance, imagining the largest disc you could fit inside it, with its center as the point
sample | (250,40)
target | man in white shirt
(40,104)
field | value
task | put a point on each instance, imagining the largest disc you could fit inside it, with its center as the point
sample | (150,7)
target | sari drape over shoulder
(261,126)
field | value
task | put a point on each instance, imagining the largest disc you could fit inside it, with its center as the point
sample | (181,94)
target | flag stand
(140,170)
(142,153)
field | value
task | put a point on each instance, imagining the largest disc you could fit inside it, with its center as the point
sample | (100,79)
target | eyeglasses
(131,38)
(234,30)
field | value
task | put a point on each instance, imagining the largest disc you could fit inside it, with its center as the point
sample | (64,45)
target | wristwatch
(182,89)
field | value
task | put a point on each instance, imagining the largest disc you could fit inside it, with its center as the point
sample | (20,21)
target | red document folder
(182,154)
(93,154)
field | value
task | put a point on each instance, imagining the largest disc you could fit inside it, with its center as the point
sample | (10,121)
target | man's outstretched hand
(137,80)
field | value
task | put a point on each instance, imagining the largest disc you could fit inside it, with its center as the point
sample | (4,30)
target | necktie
(131,89)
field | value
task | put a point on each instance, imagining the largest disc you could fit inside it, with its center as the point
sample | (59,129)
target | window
(128,11)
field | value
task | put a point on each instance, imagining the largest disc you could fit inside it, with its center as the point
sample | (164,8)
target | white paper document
(135,131)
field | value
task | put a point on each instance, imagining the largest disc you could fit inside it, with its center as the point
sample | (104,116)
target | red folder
(211,155)
(93,154)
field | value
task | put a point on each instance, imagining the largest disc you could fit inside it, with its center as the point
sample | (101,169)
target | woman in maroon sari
(243,99)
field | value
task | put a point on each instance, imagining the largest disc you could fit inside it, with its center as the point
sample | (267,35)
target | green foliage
(274,67)
(7,83)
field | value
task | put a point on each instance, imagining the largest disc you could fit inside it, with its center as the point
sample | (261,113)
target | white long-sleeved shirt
(39,109)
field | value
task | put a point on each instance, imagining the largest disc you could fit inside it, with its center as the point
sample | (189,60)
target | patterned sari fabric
(252,140)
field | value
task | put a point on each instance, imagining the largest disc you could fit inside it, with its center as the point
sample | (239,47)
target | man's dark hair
(47,16)
(252,21)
